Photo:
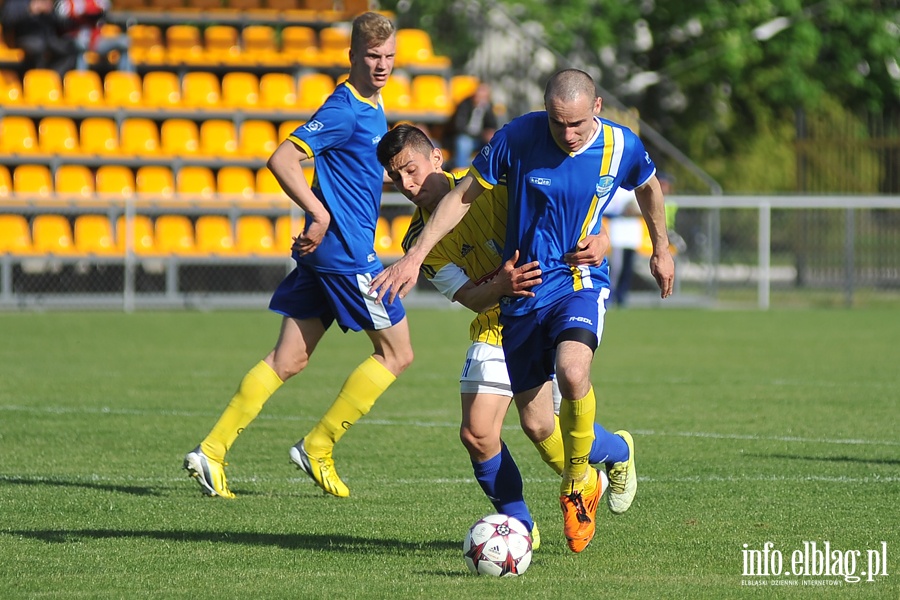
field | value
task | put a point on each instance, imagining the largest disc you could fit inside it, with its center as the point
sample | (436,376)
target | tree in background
(727,82)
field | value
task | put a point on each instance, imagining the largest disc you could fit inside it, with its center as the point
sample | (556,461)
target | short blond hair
(369,30)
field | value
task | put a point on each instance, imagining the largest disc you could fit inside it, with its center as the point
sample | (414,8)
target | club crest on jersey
(605,185)
(314,125)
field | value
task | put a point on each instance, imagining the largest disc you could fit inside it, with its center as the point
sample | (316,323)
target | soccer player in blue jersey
(336,261)
(561,167)
(465,266)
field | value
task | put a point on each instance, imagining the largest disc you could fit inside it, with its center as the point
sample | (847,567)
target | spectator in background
(36,29)
(472,125)
(83,23)
(626,232)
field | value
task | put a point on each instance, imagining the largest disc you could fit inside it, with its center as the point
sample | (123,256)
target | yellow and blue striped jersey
(472,251)
(557,198)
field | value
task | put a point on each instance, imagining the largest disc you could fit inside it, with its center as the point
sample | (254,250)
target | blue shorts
(309,294)
(529,341)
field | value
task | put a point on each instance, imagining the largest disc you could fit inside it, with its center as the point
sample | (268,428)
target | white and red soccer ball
(498,545)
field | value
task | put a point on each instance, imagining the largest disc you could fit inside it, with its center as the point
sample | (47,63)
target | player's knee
(477,442)
(286,366)
(537,431)
(398,361)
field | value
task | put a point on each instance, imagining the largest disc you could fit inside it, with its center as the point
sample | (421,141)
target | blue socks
(608,447)
(501,481)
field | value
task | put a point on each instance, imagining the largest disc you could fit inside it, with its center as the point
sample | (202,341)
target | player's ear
(437,158)
(598,103)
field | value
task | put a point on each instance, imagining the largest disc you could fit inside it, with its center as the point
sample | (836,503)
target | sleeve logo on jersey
(376,139)
(314,126)
(647,157)
(604,185)
(486,151)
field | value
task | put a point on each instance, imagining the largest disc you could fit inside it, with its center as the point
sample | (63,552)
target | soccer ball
(498,545)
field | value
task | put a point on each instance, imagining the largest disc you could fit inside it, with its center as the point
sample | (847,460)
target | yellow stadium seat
(15,235)
(174,234)
(260,45)
(42,87)
(114,181)
(58,135)
(277,91)
(222,44)
(167,4)
(94,235)
(399,227)
(200,89)
(461,87)
(287,128)
(161,89)
(195,182)
(268,188)
(240,90)
(299,44)
(218,138)
(414,49)
(130,5)
(140,137)
(142,238)
(83,89)
(382,236)
(283,4)
(146,44)
(18,135)
(184,44)
(214,235)
(431,94)
(313,89)
(75,181)
(52,234)
(33,180)
(396,94)
(236,181)
(10,87)
(99,135)
(179,137)
(254,235)
(334,46)
(286,229)
(5,182)
(154,182)
(122,89)
(213,5)
(257,139)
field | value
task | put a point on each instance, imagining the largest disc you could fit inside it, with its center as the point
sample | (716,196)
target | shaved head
(569,85)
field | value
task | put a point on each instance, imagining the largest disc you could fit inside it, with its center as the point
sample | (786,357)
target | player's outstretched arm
(399,278)
(662,266)
(508,280)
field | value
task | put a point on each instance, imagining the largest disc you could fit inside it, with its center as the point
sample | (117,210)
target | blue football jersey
(342,136)
(556,198)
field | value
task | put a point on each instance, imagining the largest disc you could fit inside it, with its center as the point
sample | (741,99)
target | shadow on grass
(300,541)
(135,490)
(836,459)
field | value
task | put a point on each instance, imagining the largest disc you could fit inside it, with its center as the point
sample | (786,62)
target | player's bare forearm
(399,278)
(662,266)
(285,166)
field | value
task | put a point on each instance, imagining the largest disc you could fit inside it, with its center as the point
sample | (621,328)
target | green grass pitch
(750,427)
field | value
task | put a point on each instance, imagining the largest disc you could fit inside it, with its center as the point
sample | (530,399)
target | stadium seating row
(98,235)
(264,45)
(205,90)
(346,7)
(140,137)
(78,182)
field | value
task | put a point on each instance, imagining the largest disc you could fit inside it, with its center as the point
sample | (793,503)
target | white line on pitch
(105,410)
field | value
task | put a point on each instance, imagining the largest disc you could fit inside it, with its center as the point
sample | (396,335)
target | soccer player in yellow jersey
(466,267)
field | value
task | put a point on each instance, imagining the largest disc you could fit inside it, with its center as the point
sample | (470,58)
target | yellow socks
(552,450)
(362,388)
(576,419)
(257,386)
